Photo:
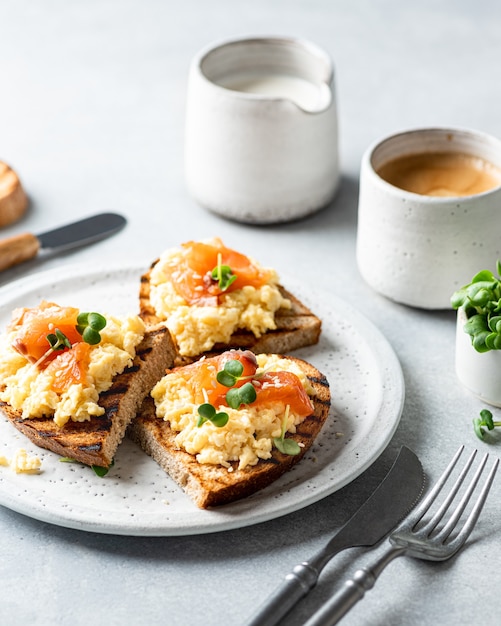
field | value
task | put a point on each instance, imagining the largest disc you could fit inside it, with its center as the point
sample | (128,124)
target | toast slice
(213,485)
(95,442)
(297,327)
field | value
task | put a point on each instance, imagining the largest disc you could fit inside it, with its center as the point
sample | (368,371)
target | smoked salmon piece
(35,324)
(70,367)
(284,387)
(192,276)
(202,375)
(271,387)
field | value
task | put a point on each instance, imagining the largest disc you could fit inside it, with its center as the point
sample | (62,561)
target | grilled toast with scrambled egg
(218,463)
(85,422)
(213,298)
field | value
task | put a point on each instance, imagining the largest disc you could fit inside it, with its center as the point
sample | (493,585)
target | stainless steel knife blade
(20,248)
(396,495)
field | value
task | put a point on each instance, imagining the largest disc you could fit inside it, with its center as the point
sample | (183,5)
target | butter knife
(20,248)
(389,504)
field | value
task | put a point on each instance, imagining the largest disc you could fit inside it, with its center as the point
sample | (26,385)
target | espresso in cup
(419,241)
(441,174)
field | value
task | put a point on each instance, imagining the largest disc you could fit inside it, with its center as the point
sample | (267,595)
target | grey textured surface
(92,98)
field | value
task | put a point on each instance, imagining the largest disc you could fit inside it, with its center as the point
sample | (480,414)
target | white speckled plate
(137,497)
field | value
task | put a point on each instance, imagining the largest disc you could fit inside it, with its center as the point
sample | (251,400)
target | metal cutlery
(390,502)
(419,537)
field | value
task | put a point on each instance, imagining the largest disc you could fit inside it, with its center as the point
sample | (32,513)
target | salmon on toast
(72,381)
(213,298)
(227,426)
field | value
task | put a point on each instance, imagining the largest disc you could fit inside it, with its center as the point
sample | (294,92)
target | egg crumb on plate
(21,463)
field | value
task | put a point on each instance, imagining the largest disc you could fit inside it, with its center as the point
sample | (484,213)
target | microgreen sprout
(101,471)
(481,300)
(229,376)
(97,469)
(223,274)
(207,413)
(58,340)
(89,325)
(283,445)
(231,373)
(484,421)
(236,396)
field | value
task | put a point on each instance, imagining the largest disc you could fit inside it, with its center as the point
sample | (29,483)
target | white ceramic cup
(418,249)
(261,141)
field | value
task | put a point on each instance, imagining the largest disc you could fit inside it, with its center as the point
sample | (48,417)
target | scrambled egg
(21,463)
(198,328)
(249,432)
(29,390)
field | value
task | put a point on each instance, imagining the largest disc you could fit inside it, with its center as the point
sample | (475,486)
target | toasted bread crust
(297,327)
(214,485)
(13,199)
(95,442)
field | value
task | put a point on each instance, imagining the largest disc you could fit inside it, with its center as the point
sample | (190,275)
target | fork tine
(434,521)
(475,512)
(449,527)
(420,511)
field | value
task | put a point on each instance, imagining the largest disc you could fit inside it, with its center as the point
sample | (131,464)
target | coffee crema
(446,174)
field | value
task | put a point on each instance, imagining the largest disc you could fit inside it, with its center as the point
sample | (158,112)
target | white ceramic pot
(418,249)
(479,372)
(261,129)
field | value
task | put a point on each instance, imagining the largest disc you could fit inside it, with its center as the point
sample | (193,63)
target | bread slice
(213,485)
(95,442)
(297,327)
(13,199)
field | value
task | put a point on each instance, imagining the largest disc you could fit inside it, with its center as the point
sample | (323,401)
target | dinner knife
(392,500)
(20,248)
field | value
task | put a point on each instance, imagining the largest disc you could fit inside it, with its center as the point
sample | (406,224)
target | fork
(417,537)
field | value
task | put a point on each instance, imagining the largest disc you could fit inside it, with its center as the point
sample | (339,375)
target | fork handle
(295,586)
(353,590)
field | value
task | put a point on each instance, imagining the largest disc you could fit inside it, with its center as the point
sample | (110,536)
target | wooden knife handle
(17,249)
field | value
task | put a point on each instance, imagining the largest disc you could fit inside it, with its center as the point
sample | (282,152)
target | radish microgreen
(290,447)
(481,300)
(229,376)
(223,274)
(236,396)
(231,373)
(89,325)
(97,469)
(484,421)
(208,413)
(58,340)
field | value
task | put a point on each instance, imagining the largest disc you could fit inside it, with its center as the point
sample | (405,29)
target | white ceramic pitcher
(261,129)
